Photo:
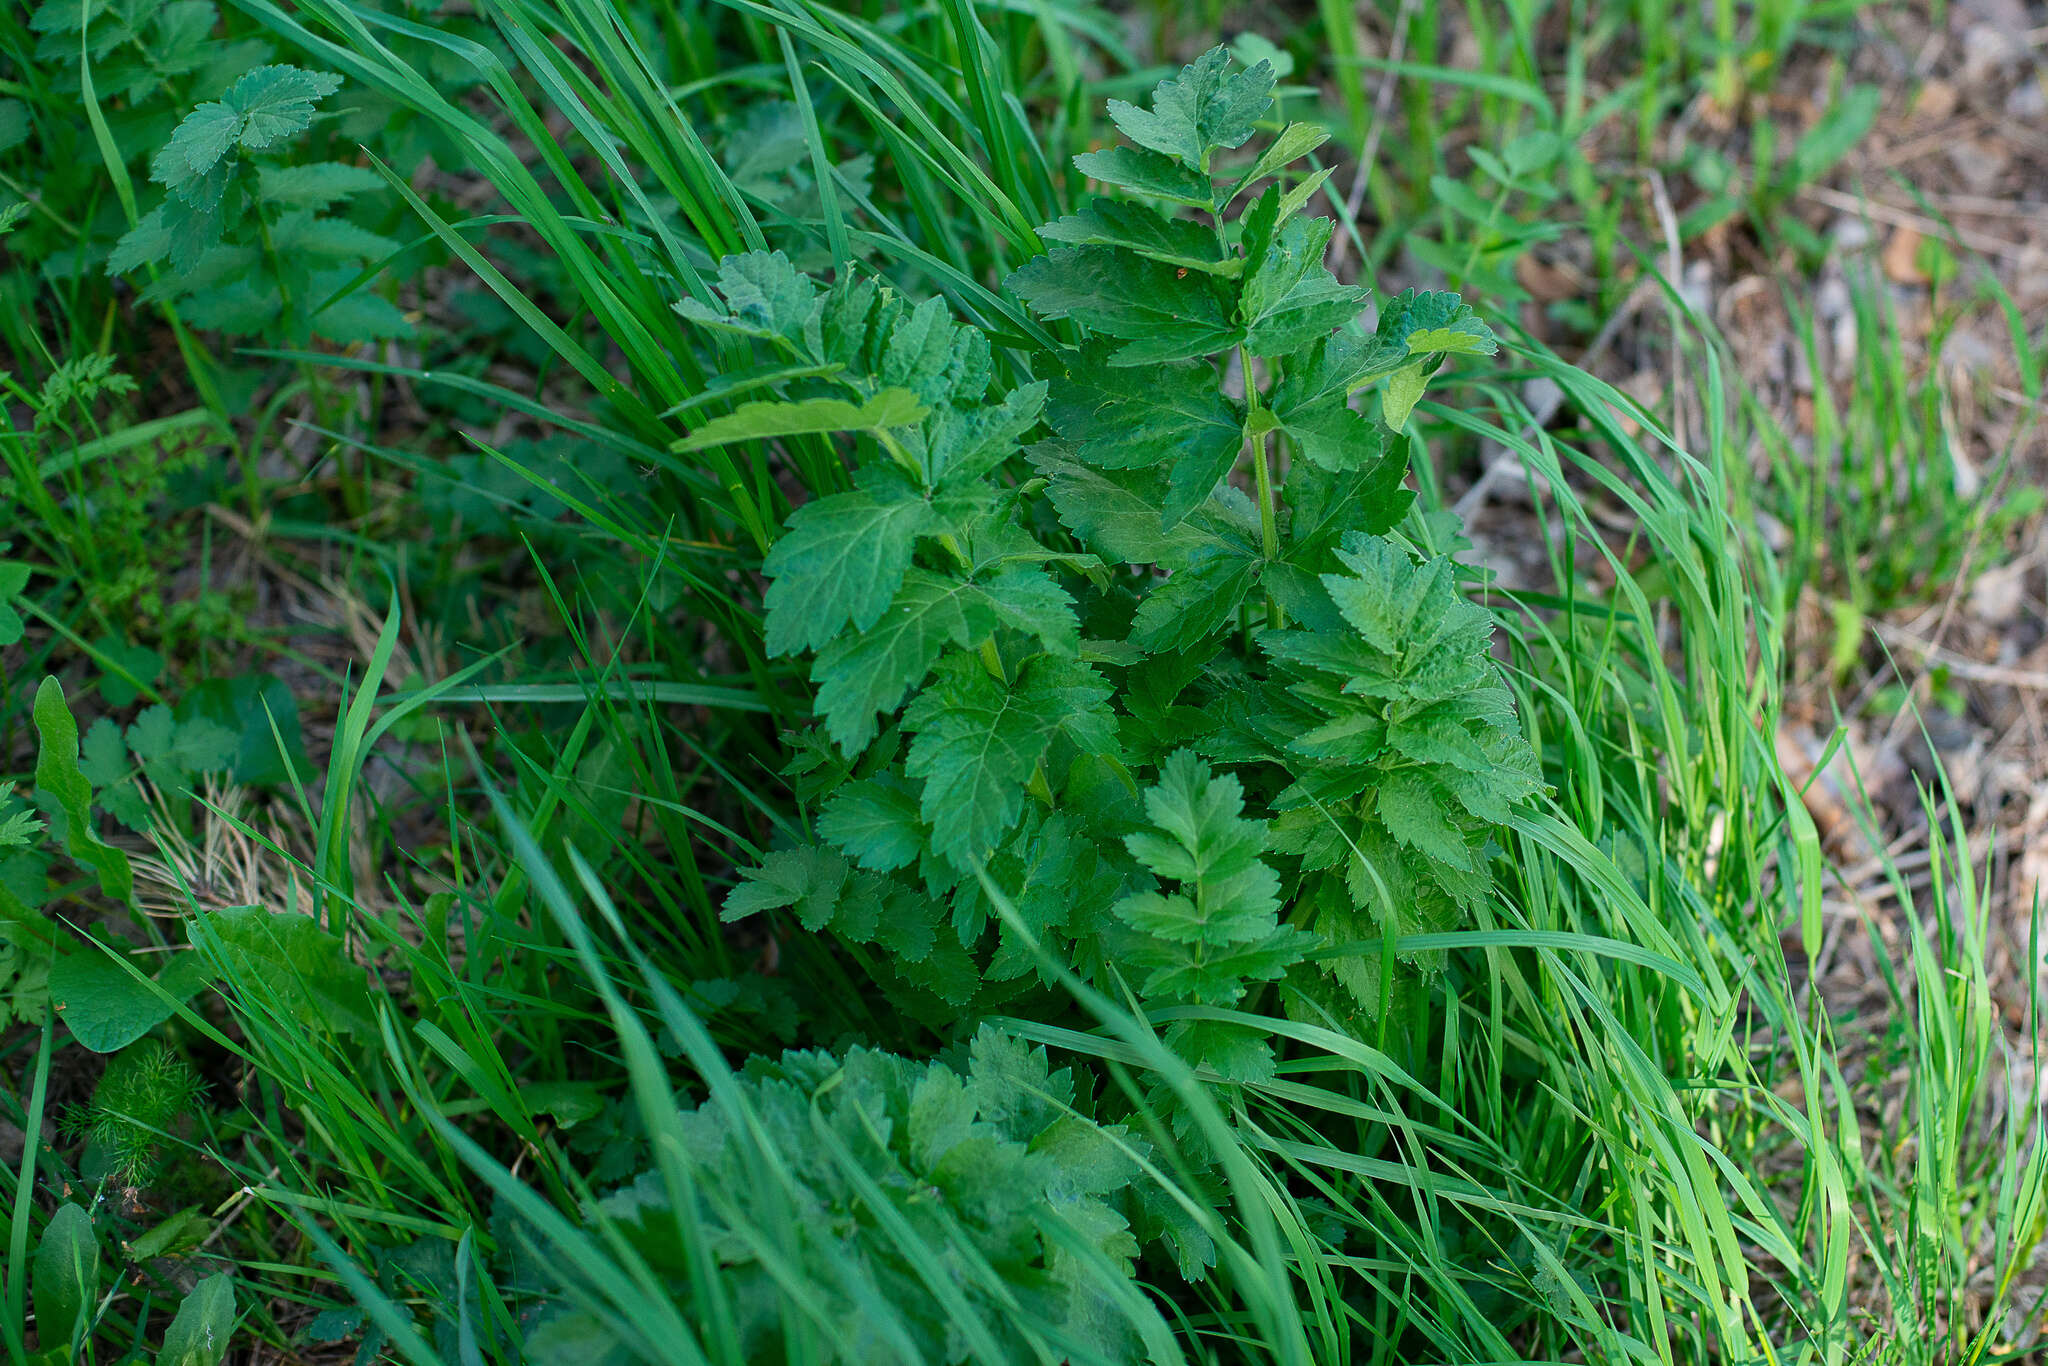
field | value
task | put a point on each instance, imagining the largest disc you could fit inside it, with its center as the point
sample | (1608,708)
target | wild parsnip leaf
(841,562)
(1290,299)
(1219,931)
(1413,750)
(1161,312)
(1354,755)
(1204,108)
(767,420)
(1175,241)
(1148,174)
(976,741)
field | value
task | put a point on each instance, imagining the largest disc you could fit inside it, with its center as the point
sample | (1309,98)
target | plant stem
(1258,423)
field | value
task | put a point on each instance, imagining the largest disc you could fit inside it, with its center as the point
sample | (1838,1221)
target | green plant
(1342,684)
(252,246)
(142,1097)
(883,1161)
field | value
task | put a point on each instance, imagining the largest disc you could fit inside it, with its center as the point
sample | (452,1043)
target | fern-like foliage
(993,1176)
(1134,644)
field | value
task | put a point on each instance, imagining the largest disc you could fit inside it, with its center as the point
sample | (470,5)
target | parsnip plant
(1189,735)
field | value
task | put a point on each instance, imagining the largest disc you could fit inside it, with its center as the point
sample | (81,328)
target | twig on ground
(1382,102)
(1921,223)
(1962,666)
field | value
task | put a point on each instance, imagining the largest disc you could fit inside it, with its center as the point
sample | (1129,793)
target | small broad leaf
(106,1008)
(259,710)
(286,960)
(13,578)
(57,773)
(1404,390)
(765,420)
(201,1332)
(66,1277)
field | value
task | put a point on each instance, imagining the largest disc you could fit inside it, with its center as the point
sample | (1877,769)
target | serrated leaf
(765,296)
(1115,519)
(1204,108)
(1417,813)
(1175,241)
(19,830)
(770,419)
(806,879)
(861,674)
(323,239)
(976,741)
(963,444)
(1429,323)
(935,358)
(199,142)
(1148,173)
(1161,313)
(314,185)
(1170,415)
(275,102)
(875,822)
(172,751)
(841,561)
(1194,602)
(1290,299)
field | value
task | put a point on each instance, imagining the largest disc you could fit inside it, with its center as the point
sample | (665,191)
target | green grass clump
(867,755)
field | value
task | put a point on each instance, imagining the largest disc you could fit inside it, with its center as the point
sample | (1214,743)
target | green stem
(1269,517)
(1258,422)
